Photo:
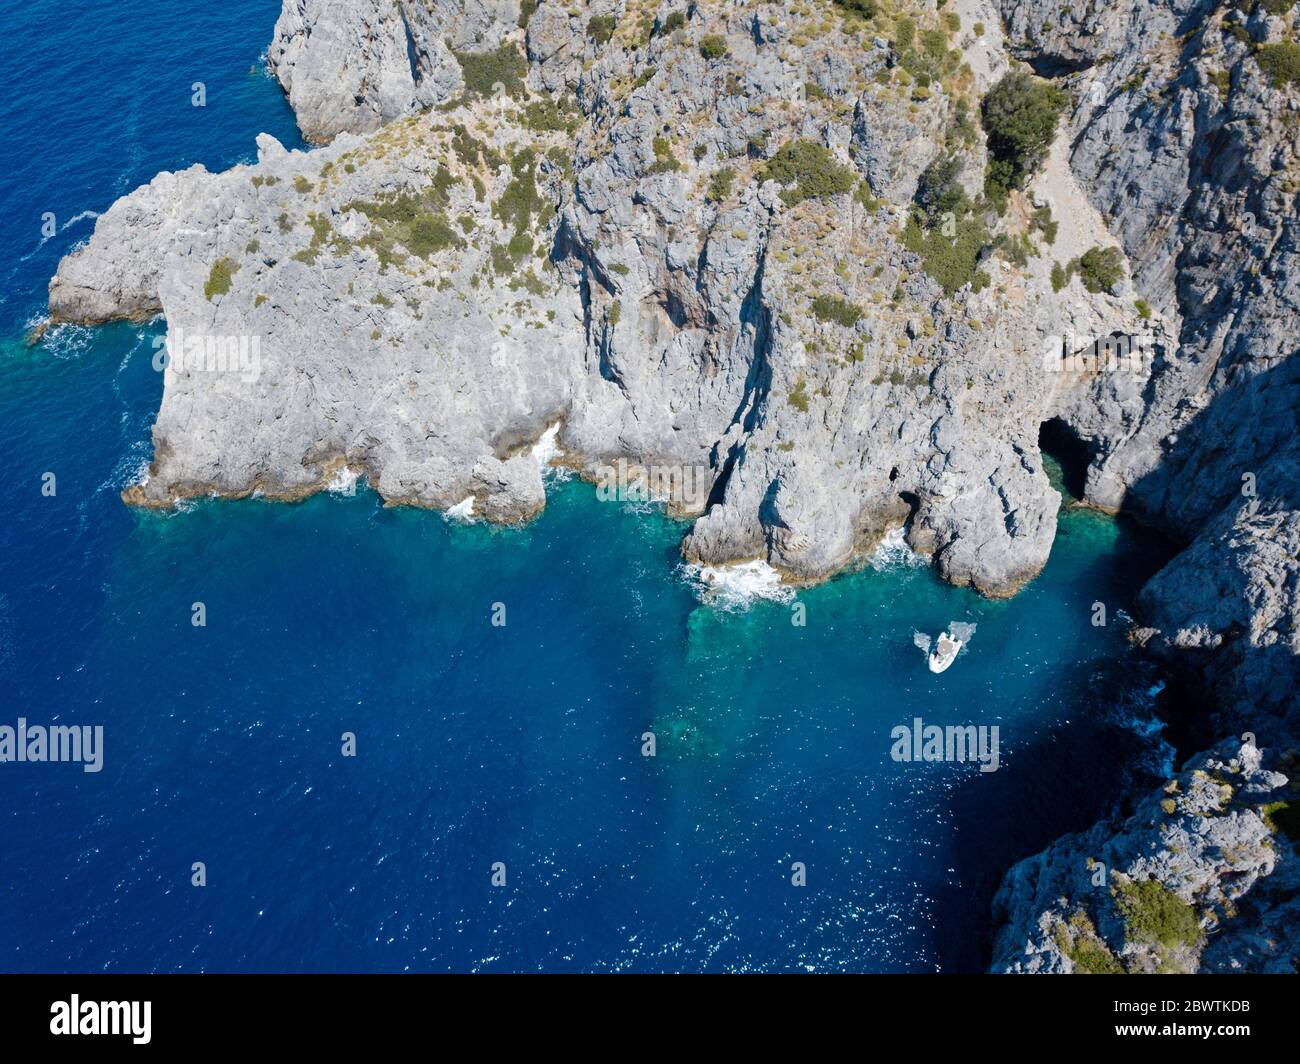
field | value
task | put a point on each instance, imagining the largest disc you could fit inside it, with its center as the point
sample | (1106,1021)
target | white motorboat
(946,649)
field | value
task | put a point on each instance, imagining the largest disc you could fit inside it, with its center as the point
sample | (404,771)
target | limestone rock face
(352,65)
(1185,147)
(1148,892)
(598,242)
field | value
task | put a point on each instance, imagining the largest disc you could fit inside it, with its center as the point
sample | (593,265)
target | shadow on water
(1060,782)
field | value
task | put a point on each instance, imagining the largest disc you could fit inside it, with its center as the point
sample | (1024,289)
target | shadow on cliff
(1242,440)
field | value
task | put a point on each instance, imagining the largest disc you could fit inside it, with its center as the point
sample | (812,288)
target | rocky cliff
(1184,136)
(681,237)
(752,245)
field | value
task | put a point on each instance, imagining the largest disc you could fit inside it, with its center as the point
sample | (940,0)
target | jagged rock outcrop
(614,258)
(353,65)
(1187,148)
(1173,888)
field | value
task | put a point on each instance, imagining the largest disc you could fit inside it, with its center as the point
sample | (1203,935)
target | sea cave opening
(1065,457)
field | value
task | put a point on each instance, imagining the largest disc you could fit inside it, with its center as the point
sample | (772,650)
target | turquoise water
(476,744)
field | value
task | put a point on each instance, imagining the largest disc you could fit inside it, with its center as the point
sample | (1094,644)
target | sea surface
(511,751)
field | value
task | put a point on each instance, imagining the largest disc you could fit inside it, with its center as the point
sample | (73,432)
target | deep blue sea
(475,744)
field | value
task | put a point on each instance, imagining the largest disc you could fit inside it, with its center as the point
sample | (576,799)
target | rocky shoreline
(756,245)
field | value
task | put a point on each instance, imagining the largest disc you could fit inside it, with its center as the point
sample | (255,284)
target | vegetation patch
(665,161)
(1281,62)
(713,47)
(944,229)
(1155,915)
(219,277)
(674,21)
(798,397)
(835,309)
(1019,114)
(720,185)
(857,9)
(811,169)
(414,220)
(321,231)
(482,71)
(1283,817)
(1080,942)
(950,259)
(600,28)
(938,191)
(1100,269)
(548,116)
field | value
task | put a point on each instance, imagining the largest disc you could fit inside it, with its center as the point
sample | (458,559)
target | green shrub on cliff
(665,161)
(950,254)
(675,21)
(798,397)
(713,47)
(833,308)
(505,66)
(1155,915)
(861,9)
(1080,942)
(1281,62)
(218,283)
(600,28)
(1020,114)
(810,168)
(1100,269)
(938,191)
(430,233)
(720,185)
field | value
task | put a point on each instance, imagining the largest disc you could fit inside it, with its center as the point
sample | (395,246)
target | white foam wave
(739,586)
(343,482)
(893,553)
(463,511)
(66,341)
(78,218)
(962,630)
(547,448)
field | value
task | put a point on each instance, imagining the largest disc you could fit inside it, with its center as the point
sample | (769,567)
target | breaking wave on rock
(739,586)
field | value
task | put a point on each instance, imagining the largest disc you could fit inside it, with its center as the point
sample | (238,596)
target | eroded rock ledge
(591,237)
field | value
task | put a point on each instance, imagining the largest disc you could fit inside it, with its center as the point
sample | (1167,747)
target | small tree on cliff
(1020,114)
